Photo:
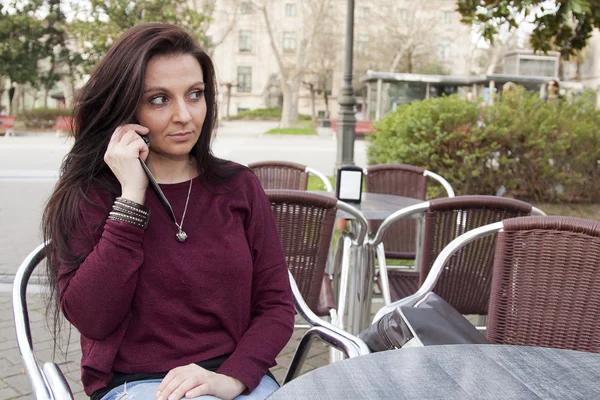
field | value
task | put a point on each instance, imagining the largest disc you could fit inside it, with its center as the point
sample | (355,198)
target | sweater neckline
(179,185)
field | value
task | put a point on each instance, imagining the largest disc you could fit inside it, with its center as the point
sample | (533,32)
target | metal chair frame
(337,338)
(426,173)
(47,382)
(440,179)
(415,211)
(318,327)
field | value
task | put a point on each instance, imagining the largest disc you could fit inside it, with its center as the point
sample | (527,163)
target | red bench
(6,124)
(362,127)
(63,125)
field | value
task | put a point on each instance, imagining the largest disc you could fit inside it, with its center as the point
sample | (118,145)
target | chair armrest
(322,176)
(350,345)
(57,382)
(406,212)
(314,320)
(442,181)
(326,300)
(438,266)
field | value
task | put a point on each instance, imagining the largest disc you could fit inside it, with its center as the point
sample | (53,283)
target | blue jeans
(146,390)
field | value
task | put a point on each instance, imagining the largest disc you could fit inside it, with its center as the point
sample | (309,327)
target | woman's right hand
(122,153)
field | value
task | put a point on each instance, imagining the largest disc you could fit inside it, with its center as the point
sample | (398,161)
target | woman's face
(173,106)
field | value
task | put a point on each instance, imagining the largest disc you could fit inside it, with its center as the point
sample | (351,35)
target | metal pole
(347,101)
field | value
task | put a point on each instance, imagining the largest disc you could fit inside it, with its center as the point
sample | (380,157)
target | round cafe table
(375,205)
(454,372)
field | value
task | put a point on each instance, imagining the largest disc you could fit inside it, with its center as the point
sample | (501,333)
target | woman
(166,309)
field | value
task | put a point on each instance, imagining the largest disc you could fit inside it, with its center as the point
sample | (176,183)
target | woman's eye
(196,94)
(158,100)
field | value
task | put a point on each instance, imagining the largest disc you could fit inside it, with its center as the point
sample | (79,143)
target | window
(444,50)
(402,14)
(363,12)
(362,45)
(289,42)
(245,44)
(290,10)
(244,79)
(246,8)
(446,17)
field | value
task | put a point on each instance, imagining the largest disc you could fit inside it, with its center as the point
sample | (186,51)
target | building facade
(415,36)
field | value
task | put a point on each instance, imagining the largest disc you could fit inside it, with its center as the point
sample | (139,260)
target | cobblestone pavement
(28,167)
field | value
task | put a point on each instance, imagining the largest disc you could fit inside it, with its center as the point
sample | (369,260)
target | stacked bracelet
(125,210)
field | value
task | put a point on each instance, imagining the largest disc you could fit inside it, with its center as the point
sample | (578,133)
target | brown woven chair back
(546,284)
(400,180)
(280,175)
(465,281)
(305,223)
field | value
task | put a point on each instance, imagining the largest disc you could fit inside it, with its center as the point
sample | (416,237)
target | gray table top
(454,372)
(375,205)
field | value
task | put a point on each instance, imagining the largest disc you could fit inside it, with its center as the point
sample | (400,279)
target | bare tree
(319,76)
(228,12)
(313,14)
(413,41)
(228,86)
(488,60)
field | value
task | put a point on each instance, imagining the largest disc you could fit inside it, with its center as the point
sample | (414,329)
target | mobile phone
(154,185)
(146,139)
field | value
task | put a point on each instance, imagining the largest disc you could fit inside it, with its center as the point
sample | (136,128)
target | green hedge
(522,146)
(265,114)
(43,118)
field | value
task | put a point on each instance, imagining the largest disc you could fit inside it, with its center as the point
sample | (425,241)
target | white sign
(350,185)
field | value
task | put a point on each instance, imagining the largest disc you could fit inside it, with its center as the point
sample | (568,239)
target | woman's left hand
(192,381)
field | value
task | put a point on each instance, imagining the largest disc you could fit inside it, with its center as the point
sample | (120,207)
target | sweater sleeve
(272,321)
(96,295)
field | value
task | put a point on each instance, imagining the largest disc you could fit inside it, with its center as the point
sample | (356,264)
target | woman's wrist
(237,384)
(138,196)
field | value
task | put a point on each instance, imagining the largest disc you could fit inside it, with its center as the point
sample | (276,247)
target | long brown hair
(107,100)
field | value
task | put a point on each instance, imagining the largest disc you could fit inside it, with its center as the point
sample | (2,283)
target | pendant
(181,236)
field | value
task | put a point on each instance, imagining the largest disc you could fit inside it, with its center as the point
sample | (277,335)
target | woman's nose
(181,113)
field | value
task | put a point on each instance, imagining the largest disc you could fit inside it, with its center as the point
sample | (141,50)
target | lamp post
(347,101)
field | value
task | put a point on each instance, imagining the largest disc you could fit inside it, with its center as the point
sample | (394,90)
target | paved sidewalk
(15,385)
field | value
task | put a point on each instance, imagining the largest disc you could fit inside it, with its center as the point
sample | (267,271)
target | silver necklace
(181,236)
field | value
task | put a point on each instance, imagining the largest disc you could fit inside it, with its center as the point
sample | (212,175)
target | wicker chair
(47,381)
(407,181)
(465,283)
(286,175)
(545,287)
(305,224)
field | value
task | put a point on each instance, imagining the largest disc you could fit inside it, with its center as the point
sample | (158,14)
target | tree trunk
(46,94)
(294,114)
(313,101)
(228,100)
(326,100)
(11,96)
(286,109)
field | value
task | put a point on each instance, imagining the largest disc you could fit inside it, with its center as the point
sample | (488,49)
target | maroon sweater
(145,303)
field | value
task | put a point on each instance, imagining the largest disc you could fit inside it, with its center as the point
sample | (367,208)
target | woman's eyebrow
(155,89)
(197,84)
(162,89)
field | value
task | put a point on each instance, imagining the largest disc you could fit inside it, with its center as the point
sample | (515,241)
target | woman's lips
(181,137)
